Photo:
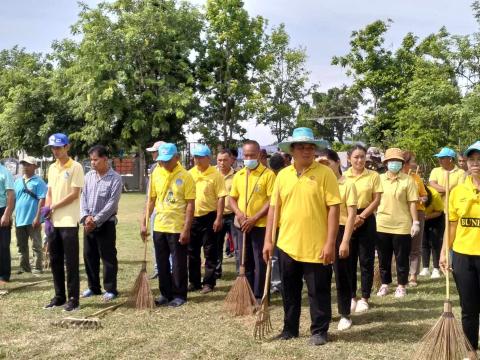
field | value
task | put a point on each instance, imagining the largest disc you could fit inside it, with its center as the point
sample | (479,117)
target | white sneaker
(383,291)
(424,272)
(353,305)
(400,292)
(435,274)
(362,306)
(344,324)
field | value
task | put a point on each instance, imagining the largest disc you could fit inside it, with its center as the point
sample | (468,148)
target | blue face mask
(394,166)
(251,164)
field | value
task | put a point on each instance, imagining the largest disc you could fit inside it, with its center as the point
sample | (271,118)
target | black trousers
(63,246)
(226,229)
(5,257)
(173,280)
(343,281)
(362,250)
(255,267)
(202,235)
(466,271)
(387,245)
(432,241)
(100,244)
(318,278)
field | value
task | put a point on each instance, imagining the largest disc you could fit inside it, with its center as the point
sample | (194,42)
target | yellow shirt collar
(349,172)
(67,165)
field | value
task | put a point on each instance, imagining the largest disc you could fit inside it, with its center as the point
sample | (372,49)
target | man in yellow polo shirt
(224,166)
(252,218)
(172,195)
(446,158)
(62,206)
(309,218)
(208,219)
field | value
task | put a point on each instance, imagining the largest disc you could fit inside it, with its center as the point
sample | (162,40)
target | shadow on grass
(199,299)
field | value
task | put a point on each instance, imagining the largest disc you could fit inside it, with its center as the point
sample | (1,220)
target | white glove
(415,228)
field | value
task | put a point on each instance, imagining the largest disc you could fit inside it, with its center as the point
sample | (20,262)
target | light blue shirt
(6,183)
(26,206)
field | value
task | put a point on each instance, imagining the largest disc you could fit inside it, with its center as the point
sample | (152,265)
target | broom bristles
(445,340)
(141,296)
(377,280)
(240,299)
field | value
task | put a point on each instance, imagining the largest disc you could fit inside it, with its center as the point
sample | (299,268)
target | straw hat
(393,154)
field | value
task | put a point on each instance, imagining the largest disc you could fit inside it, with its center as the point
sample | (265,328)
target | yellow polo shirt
(61,180)
(303,210)
(457,176)
(348,197)
(171,191)
(260,187)
(436,204)
(393,214)
(465,209)
(421,190)
(228,186)
(210,187)
(366,184)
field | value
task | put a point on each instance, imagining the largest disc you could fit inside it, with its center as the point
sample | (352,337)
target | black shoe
(284,335)
(192,287)
(206,289)
(161,301)
(71,305)
(318,339)
(54,303)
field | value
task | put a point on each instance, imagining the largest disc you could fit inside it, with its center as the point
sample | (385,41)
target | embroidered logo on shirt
(66,175)
(179,182)
(470,222)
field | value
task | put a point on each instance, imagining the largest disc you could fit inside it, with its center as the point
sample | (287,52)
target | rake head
(3,292)
(263,324)
(79,323)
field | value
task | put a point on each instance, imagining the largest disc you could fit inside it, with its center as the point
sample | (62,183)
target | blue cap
(446,152)
(58,139)
(201,150)
(473,147)
(166,151)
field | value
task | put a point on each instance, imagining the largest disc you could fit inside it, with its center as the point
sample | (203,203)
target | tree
(333,114)
(282,86)
(228,65)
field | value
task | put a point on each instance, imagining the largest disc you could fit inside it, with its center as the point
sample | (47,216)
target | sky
(322,27)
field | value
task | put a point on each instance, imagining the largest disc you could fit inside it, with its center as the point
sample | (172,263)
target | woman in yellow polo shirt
(362,242)
(348,213)
(433,232)
(464,216)
(397,222)
(410,167)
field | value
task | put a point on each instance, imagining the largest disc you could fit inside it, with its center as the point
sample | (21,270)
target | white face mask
(251,164)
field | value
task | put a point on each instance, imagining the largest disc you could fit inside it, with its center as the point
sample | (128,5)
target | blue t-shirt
(26,206)
(6,183)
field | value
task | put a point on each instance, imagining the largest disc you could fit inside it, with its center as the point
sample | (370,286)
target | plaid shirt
(100,196)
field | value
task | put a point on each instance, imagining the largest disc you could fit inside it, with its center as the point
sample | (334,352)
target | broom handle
(107,309)
(244,234)
(147,218)
(447,230)
(27,284)
(276,213)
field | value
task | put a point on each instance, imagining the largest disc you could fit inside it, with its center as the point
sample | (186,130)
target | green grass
(201,329)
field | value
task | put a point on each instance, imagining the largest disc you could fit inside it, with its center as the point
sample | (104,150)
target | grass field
(201,329)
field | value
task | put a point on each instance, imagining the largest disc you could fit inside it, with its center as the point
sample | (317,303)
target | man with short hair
(462,162)
(172,193)
(250,206)
(30,193)
(446,159)
(62,206)
(99,207)
(7,203)
(309,211)
(208,219)
(224,166)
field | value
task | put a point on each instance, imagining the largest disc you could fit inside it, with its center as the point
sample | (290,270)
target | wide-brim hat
(302,135)
(393,154)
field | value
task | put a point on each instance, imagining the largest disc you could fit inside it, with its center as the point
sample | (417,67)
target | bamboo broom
(141,296)
(446,339)
(240,299)
(263,324)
